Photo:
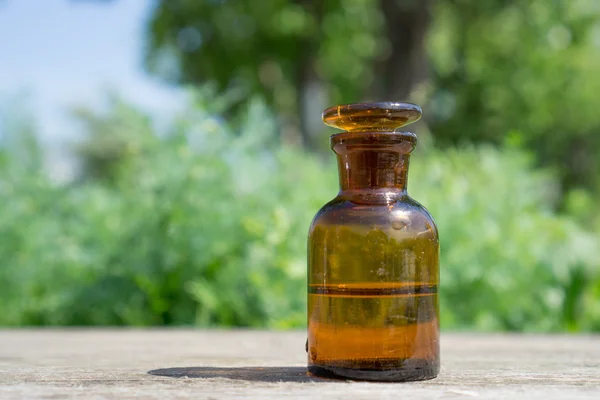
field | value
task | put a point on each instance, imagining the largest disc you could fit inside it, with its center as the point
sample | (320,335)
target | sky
(61,53)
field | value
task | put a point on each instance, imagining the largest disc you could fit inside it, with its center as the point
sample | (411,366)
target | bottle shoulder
(405,214)
(424,214)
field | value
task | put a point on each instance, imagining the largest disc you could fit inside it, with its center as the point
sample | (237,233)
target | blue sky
(60,53)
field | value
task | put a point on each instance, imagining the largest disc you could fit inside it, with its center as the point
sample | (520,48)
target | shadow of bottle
(252,374)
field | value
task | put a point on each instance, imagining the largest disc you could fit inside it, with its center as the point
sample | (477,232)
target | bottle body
(373,269)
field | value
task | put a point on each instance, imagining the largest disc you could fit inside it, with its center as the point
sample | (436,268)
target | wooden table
(115,364)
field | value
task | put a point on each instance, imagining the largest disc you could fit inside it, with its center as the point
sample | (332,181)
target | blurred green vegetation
(527,68)
(206,225)
(481,69)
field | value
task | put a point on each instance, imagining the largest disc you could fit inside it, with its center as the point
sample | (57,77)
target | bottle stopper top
(372,117)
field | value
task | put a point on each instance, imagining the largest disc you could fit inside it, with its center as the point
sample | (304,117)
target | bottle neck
(373,167)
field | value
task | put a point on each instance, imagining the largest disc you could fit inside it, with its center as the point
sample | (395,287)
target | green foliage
(200,227)
(205,226)
(291,53)
(529,67)
(265,47)
(112,140)
(507,262)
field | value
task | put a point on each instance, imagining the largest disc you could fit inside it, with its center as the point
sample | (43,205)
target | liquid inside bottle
(373,268)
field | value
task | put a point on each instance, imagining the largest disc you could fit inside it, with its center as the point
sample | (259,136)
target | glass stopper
(372,117)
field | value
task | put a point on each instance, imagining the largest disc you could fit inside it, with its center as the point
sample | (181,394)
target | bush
(507,261)
(204,226)
(201,227)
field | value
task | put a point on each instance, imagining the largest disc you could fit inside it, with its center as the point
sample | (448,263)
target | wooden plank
(114,364)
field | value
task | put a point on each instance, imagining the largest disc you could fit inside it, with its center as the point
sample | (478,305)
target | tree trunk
(406,23)
(309,88)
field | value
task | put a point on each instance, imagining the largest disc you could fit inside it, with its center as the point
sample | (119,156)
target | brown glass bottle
(373,268)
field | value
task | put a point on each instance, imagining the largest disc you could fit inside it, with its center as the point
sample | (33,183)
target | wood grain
(200,364)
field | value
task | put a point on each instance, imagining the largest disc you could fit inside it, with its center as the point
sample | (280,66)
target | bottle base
(415,370)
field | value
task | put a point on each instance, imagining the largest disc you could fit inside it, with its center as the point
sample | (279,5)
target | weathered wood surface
(114,364)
